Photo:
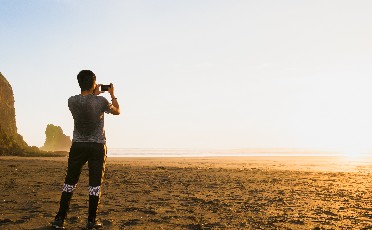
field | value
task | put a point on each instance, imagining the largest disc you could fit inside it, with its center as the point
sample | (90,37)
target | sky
(197,74)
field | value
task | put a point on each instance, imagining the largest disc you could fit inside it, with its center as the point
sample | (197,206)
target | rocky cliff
(9,138)
(11,143)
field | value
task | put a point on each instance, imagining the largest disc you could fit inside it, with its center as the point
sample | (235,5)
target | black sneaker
(94,224)
(58,223)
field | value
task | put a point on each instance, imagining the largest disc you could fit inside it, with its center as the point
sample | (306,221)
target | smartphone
(105,87)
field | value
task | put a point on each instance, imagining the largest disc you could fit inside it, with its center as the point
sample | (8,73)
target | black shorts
(80,153)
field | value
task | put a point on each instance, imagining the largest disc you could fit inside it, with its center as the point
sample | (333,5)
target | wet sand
(195,193)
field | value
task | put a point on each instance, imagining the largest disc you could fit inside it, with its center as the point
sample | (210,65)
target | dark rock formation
(55,139)
(11,143)
(9,138)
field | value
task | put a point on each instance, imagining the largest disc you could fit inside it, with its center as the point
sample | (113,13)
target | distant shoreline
(291,163)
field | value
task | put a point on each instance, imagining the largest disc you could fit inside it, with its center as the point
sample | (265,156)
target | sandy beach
(195,193)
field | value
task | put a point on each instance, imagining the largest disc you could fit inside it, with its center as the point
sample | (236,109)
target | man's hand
(96,91)
(111,90)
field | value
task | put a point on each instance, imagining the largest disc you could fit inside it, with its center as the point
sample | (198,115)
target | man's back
(88,113)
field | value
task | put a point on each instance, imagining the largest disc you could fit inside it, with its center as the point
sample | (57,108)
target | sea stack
(55,139)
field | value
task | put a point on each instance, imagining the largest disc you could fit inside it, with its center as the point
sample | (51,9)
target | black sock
(64,204)
(93,207)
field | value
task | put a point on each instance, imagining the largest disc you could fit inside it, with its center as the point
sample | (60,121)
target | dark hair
(86,79)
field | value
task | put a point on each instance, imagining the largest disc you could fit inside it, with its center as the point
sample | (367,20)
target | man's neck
(86,92)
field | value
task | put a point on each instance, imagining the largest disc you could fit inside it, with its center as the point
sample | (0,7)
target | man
(88,145)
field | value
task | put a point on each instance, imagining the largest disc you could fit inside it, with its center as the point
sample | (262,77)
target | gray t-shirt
(88,113)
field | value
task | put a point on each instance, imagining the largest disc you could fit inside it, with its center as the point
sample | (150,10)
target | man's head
(86,79)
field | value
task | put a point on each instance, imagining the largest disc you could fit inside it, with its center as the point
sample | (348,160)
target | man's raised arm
(115,105)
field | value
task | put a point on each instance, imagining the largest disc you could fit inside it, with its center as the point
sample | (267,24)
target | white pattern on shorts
(94,191)
(68,187)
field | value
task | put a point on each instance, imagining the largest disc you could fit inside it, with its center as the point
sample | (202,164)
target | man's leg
(96,164)
(77,158)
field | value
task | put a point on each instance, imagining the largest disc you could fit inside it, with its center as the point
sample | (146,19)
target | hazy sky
(197,74)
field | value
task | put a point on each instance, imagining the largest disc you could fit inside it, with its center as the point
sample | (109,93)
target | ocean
(177,152)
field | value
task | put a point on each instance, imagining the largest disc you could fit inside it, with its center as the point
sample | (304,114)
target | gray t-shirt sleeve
(107,106)
(69,102)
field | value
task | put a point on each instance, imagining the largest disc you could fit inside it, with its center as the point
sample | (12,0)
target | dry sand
(195,193)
